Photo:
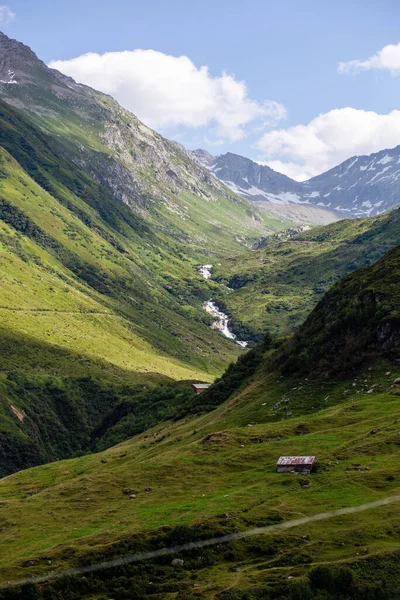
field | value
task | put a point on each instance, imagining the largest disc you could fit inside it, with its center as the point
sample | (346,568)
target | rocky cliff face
(248,178)
(360,186)
(141,167)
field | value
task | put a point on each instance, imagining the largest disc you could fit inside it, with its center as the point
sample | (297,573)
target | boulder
(177,562)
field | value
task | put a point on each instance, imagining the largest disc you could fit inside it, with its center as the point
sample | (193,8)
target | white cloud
(6,15)
(387,59)
(293,170)
(303,151)
(168,91)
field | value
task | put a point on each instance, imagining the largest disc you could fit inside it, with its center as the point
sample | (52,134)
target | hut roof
(201,386)
(296,460)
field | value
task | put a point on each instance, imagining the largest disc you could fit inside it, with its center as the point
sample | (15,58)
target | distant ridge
(361,186)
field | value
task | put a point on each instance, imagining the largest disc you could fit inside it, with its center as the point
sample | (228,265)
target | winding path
(126,560)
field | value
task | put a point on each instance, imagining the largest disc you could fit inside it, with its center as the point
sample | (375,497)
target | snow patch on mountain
(369,185)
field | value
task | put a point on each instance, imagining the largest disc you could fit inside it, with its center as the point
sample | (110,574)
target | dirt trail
(202,543)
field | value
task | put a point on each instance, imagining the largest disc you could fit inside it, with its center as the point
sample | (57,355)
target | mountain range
(360,186)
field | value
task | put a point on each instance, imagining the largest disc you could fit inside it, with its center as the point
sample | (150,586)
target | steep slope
(104,224)
(356,326)
(154,176)
(88,289)
(360,186)
(214,475)
(276,286)
(357,319)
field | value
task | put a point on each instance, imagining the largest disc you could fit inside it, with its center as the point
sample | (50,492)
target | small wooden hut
(200,387)
(295,464)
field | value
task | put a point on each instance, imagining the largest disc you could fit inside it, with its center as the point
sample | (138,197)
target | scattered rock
(29,563)
(397,381)
(373,432)
(177,562)
(132,496)
(148,489)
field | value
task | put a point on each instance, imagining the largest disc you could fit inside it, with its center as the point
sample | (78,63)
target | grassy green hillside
(88,288)
(152,175)
(213,474)
(103,225)
(117,266)
(275,287)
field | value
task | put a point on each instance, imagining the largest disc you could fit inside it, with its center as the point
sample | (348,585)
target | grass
(87,286)
(230,475)
(100,298)
(277,286)
(215,473)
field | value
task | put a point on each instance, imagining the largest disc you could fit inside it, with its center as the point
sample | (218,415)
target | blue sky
(285,52)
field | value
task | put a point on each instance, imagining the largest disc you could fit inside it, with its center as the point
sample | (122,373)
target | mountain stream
(222,320)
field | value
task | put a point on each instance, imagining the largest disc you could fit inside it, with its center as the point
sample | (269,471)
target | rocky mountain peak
(18,63)
(360,186)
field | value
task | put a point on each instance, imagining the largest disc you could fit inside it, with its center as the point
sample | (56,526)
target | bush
(331,579)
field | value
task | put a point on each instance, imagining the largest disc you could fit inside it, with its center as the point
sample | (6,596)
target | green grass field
(210,474)
(219,470)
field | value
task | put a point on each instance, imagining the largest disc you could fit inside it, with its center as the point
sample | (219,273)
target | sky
(300,86)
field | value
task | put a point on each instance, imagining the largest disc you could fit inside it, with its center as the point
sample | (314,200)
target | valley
(276,285)
(132,269)
(214,474)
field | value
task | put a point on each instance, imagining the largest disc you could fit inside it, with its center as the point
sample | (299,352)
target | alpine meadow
(199,352)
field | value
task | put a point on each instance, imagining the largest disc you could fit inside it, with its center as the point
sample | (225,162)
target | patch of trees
(234,377)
